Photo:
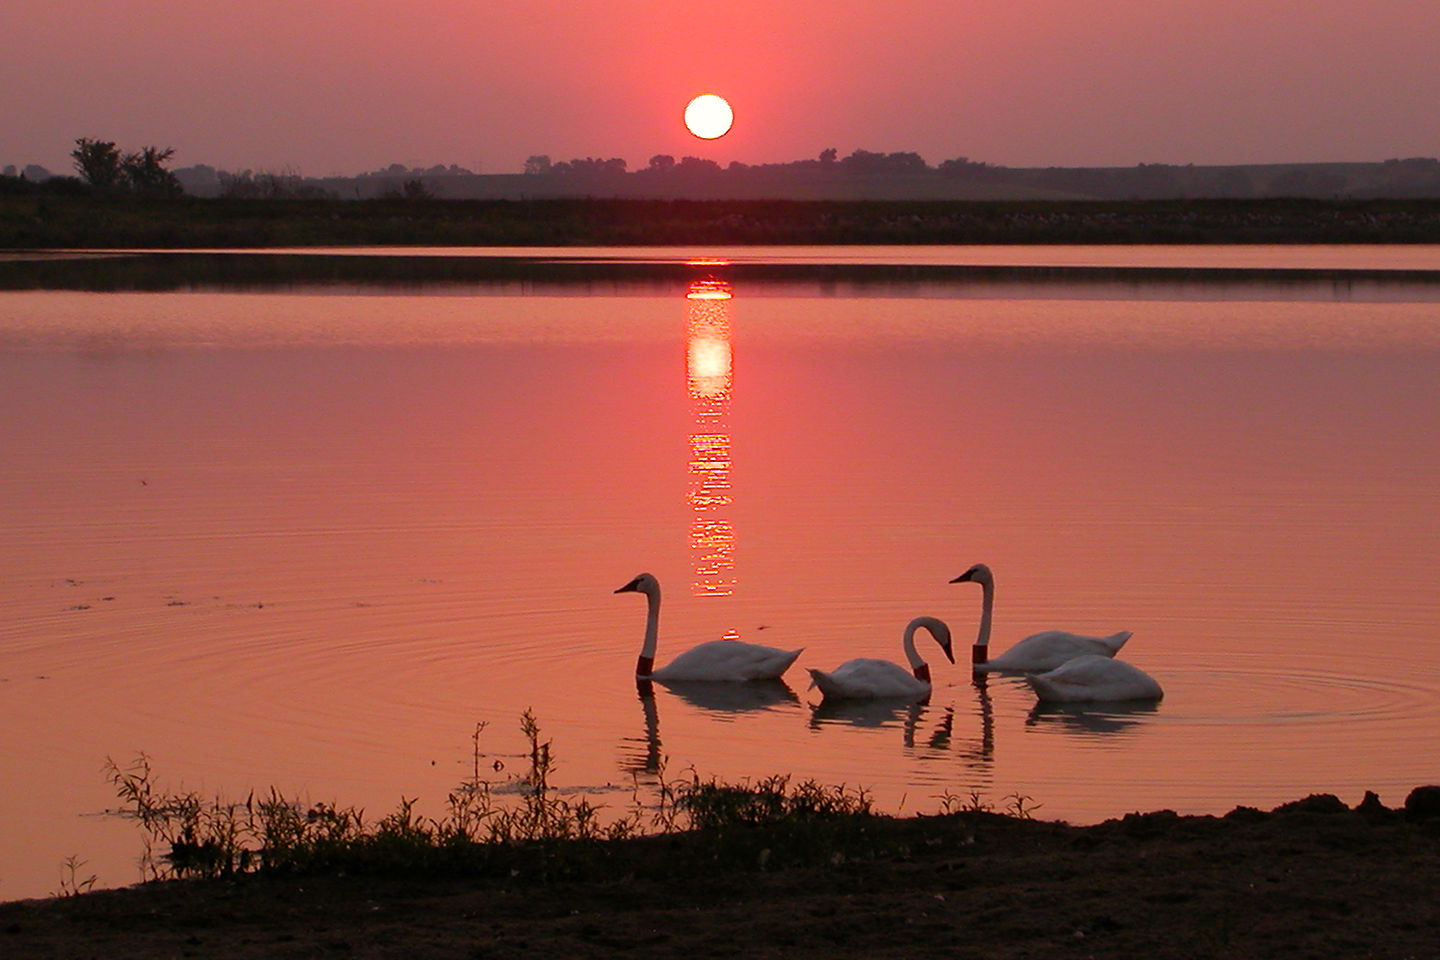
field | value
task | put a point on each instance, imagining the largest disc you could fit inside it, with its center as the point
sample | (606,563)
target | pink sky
(323,86)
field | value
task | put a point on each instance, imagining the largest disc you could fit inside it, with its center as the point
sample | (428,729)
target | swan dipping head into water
(869,679)
(728,661)
(1036,653)
(1094,679)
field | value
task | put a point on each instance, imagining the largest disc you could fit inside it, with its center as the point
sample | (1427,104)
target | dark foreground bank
(1311,879)
(53,222)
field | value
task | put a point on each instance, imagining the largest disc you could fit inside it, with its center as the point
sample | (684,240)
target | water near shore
(310,531)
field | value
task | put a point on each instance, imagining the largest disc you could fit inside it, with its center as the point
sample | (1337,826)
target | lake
(279,525)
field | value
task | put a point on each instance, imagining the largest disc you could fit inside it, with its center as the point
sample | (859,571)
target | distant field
(51,222)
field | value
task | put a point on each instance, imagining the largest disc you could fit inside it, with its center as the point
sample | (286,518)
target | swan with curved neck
(1094,678)
(722,660)
(867,679)
(1036,653)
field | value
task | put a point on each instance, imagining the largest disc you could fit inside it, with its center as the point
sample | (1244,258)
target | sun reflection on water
(709,369)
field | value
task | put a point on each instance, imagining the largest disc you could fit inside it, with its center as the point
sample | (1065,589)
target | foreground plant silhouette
(542,835)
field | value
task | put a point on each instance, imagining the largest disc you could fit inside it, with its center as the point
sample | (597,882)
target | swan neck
(987,608)
(911,654)
(652,626)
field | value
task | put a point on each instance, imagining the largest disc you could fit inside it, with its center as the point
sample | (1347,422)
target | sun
(709,117)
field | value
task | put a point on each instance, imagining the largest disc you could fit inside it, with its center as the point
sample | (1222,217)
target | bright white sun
(709,116)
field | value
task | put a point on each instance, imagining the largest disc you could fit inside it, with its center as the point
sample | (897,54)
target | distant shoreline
(553,272)
(37,222)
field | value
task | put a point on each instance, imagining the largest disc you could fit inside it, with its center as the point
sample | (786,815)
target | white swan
(1038,652)
(1094,678)
(723,660)
(870,679)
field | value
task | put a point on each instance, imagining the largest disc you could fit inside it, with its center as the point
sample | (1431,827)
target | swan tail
(1056,690)
(773,665)
(1117,640)
(825,683)
(1045,690)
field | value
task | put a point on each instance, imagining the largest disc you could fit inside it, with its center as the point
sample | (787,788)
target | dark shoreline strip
(159,271)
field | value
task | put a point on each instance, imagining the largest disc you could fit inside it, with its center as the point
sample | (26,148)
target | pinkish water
(311,539)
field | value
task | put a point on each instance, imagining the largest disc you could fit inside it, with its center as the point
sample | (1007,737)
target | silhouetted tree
(537,164)
(590,166)
(963,168)
(662,162)
(412,190)
(697,165)
(18,183)
(98,162)
(248,185)
(866,162)
(828,155)
(144,172)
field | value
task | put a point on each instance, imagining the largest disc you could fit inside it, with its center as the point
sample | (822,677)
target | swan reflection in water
(1092,719)
(729,699)
(725,701)
(642,755)
(976,751)
(868,713)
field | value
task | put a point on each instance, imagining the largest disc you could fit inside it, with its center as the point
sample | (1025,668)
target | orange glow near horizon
(1223,83)
(709,372)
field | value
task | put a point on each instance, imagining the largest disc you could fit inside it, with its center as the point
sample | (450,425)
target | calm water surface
(310,539)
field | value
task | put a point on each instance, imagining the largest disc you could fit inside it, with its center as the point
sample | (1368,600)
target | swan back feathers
(1095,678)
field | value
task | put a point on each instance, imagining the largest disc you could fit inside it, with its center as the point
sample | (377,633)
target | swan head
(938,629)
(977,574)
(645,583)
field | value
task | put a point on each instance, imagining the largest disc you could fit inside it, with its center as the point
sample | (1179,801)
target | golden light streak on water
(710,374)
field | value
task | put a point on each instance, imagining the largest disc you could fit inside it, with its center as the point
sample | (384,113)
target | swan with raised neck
(1036,653)
(730,661)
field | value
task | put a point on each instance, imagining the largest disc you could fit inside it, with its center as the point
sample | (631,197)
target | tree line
(861,162)
(143,172)
(105,170)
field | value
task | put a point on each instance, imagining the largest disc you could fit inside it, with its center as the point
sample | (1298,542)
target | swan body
(729,661)
(1038,652)
(869,679)
(1052,648)
(1094,678)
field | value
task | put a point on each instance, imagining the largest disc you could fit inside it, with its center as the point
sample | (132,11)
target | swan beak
(948,655)
(629,587)
(963,578)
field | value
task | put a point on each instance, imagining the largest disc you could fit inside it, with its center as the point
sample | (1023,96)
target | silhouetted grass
(539,835)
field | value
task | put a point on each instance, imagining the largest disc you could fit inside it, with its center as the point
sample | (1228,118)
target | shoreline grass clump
(187,835)
(538,835)
(771,822)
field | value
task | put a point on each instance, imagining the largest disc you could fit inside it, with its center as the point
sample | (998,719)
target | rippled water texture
(311,535)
